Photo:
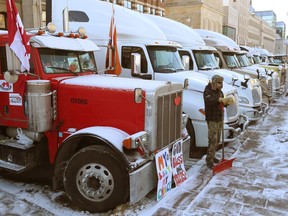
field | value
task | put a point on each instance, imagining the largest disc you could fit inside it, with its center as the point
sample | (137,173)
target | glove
(227,101)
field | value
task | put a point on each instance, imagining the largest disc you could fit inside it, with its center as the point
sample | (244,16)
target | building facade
(198,14)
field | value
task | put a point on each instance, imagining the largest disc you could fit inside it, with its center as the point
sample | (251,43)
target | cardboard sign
(164,172)
(179,172)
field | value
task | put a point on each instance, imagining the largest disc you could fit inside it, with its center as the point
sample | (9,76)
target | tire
(95,180)
(191,133)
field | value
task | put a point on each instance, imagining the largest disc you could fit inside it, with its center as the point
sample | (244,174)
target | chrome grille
(276,82)
(256,95)
(270,88)
(169,119)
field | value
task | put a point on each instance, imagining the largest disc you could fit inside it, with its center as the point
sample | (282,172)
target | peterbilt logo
(5,86)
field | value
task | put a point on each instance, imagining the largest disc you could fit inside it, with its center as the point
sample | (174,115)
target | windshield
(63,61)
(165,59)
(243,60)
(231,60)
(205,60)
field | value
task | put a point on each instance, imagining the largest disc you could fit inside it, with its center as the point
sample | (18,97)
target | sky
(280,7)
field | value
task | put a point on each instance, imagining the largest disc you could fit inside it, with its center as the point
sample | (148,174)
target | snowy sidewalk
(256,184)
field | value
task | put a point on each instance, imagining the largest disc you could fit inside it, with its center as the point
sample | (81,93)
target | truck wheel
(191,133)
(95,180)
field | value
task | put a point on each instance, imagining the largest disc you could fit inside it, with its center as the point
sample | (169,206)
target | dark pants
(214,133)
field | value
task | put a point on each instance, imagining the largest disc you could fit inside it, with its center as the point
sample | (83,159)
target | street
(256,184)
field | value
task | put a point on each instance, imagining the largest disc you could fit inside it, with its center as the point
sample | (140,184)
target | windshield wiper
(65,69)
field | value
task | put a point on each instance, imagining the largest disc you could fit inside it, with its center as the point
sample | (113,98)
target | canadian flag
(112,58)
(17,38)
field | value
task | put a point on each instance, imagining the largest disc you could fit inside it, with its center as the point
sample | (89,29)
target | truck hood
(226,74)
(113,82)
(196,81)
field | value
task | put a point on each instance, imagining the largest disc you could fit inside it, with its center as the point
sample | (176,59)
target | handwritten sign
(164,172)
(178,168)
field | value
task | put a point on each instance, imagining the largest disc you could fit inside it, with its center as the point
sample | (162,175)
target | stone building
(198,14)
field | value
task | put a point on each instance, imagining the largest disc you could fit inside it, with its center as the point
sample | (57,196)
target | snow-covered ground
(256,184)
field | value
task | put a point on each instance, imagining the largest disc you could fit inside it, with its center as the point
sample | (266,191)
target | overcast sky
(280,7)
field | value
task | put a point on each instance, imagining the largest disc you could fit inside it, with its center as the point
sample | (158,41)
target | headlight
(136,140)
(243,100)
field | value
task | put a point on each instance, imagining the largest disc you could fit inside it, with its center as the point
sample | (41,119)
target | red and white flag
(112,59)
(17,38)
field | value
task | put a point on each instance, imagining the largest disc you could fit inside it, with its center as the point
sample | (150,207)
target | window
(126,58)
(186,53)
(3,17)
(3,62)
(127,4)
(78,16)
(165,59)
(62,61)
(140,8)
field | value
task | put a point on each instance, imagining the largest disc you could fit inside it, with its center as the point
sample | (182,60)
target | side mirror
(11,76)
(135,64)
(186,62)
(138,95)
(246,77)
(136,67)
(186,83)
(234,79)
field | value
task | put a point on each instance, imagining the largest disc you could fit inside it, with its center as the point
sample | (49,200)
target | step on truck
(202,60)
(153,57)
(99,133)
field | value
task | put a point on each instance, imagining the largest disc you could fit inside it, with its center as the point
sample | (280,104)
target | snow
(104,81)
(256,184)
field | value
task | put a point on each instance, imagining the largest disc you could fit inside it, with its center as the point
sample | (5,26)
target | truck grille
(276,83)
(256,95)
(270,88)
(169,123)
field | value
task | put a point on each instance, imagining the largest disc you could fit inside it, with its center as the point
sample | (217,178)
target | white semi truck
(141,39)
(202,60)
(227,52)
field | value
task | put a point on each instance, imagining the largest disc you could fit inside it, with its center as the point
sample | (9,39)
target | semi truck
(254,57)
(201,59)
(153,57)
(99,133)
(232,57)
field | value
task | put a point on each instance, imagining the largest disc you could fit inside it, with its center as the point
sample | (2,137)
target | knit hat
(217,78)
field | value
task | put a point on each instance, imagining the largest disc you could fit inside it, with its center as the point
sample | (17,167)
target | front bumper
(144,179)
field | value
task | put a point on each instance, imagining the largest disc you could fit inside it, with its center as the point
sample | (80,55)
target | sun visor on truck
(63,43)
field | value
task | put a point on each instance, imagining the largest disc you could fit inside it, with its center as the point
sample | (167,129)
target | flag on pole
(112,57)
(17,38)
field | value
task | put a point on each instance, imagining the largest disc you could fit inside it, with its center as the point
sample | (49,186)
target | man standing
(214,105)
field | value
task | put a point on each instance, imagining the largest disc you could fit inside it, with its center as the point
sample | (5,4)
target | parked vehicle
(100,133)
(254,57)
(231,56)
(141,42)
(202,60)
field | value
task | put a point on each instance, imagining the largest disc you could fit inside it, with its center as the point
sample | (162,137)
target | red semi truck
(100,133)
